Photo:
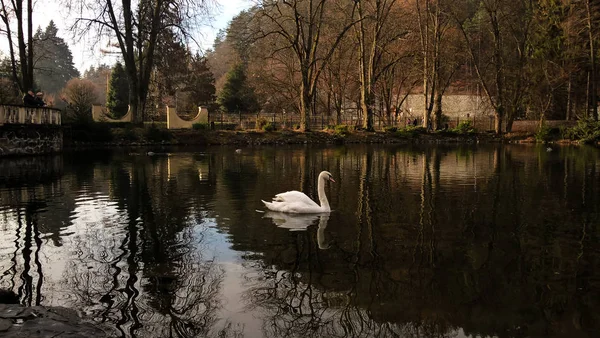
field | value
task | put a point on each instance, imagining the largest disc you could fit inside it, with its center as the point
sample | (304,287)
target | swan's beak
(332,180)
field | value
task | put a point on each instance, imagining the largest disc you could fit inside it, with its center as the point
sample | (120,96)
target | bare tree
(374,35)
(300,25)
(433,26)
(137,26)
(23,76)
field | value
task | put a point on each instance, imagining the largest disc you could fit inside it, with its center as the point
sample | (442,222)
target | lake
(423,241)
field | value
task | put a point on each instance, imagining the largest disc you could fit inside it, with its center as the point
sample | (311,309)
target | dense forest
(527,59)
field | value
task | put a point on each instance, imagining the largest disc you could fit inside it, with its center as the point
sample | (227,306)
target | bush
(270,126)
(341,130)
(155,134)
(129,134)
(90,132)
(80,95)
(465,127)
(410,132)
(200,126)
(391,129)
(543,134)
(261,123)
(586,131)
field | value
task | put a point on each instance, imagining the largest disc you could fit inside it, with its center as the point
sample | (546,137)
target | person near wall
(29,99)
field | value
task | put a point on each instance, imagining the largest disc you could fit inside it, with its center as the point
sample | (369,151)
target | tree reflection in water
(430,242)
(140,268)
(467,258)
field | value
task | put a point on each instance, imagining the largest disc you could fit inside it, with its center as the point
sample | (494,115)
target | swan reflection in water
(300,222)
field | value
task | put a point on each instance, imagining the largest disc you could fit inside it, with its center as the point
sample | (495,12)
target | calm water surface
(469,241)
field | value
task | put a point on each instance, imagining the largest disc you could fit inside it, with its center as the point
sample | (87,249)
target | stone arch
(100,114)
(176,122)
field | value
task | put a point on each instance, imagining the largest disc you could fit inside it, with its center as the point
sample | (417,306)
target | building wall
(532,126)
(454,106)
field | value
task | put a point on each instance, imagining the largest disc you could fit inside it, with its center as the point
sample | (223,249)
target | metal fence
(292,121)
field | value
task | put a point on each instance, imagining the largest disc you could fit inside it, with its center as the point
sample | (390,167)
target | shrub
(129,134)
(341,130)
(261,123)
(90,132)
(465,127)
(80,95)
(270,126)
(410,132)
(200,126)
(543,134)
(586,131)
(155,134)
(391,129)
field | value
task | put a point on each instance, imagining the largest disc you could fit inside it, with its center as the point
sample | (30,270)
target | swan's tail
(273,206)
(267,204)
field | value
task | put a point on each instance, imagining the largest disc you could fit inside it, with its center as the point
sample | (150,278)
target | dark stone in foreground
(17,321)
(8,297)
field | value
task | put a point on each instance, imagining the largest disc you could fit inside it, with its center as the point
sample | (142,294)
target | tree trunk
(305,101)
(510,119)
(28,76)
(25,46)
(593,101)
(498,63)
(437,121)
(366,72)
(569,98)
(498,115)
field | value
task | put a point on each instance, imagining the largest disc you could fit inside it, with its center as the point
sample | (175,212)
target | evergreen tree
(200,82)
(53,61)
(9,91)
(100,76)
(117,98)
(236,95)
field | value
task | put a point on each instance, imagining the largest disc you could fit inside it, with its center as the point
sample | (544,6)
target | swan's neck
(322,196)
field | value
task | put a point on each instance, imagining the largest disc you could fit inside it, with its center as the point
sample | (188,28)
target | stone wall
(18,139)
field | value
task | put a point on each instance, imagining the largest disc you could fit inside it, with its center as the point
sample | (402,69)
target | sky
(85,54)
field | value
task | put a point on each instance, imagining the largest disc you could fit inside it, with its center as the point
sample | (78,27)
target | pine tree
(117,97)
(236,95)
(200,82)
(53,61)
(100,76)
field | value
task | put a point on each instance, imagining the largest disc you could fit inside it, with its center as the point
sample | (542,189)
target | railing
(10,114)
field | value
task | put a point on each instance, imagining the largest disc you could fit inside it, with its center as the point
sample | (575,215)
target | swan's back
(293,197)
(293,202)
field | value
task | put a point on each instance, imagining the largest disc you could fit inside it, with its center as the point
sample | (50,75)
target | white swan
(298,203)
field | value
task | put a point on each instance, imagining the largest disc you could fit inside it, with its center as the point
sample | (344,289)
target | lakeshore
(132,137)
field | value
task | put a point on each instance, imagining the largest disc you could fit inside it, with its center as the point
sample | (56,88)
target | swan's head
(326,175)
